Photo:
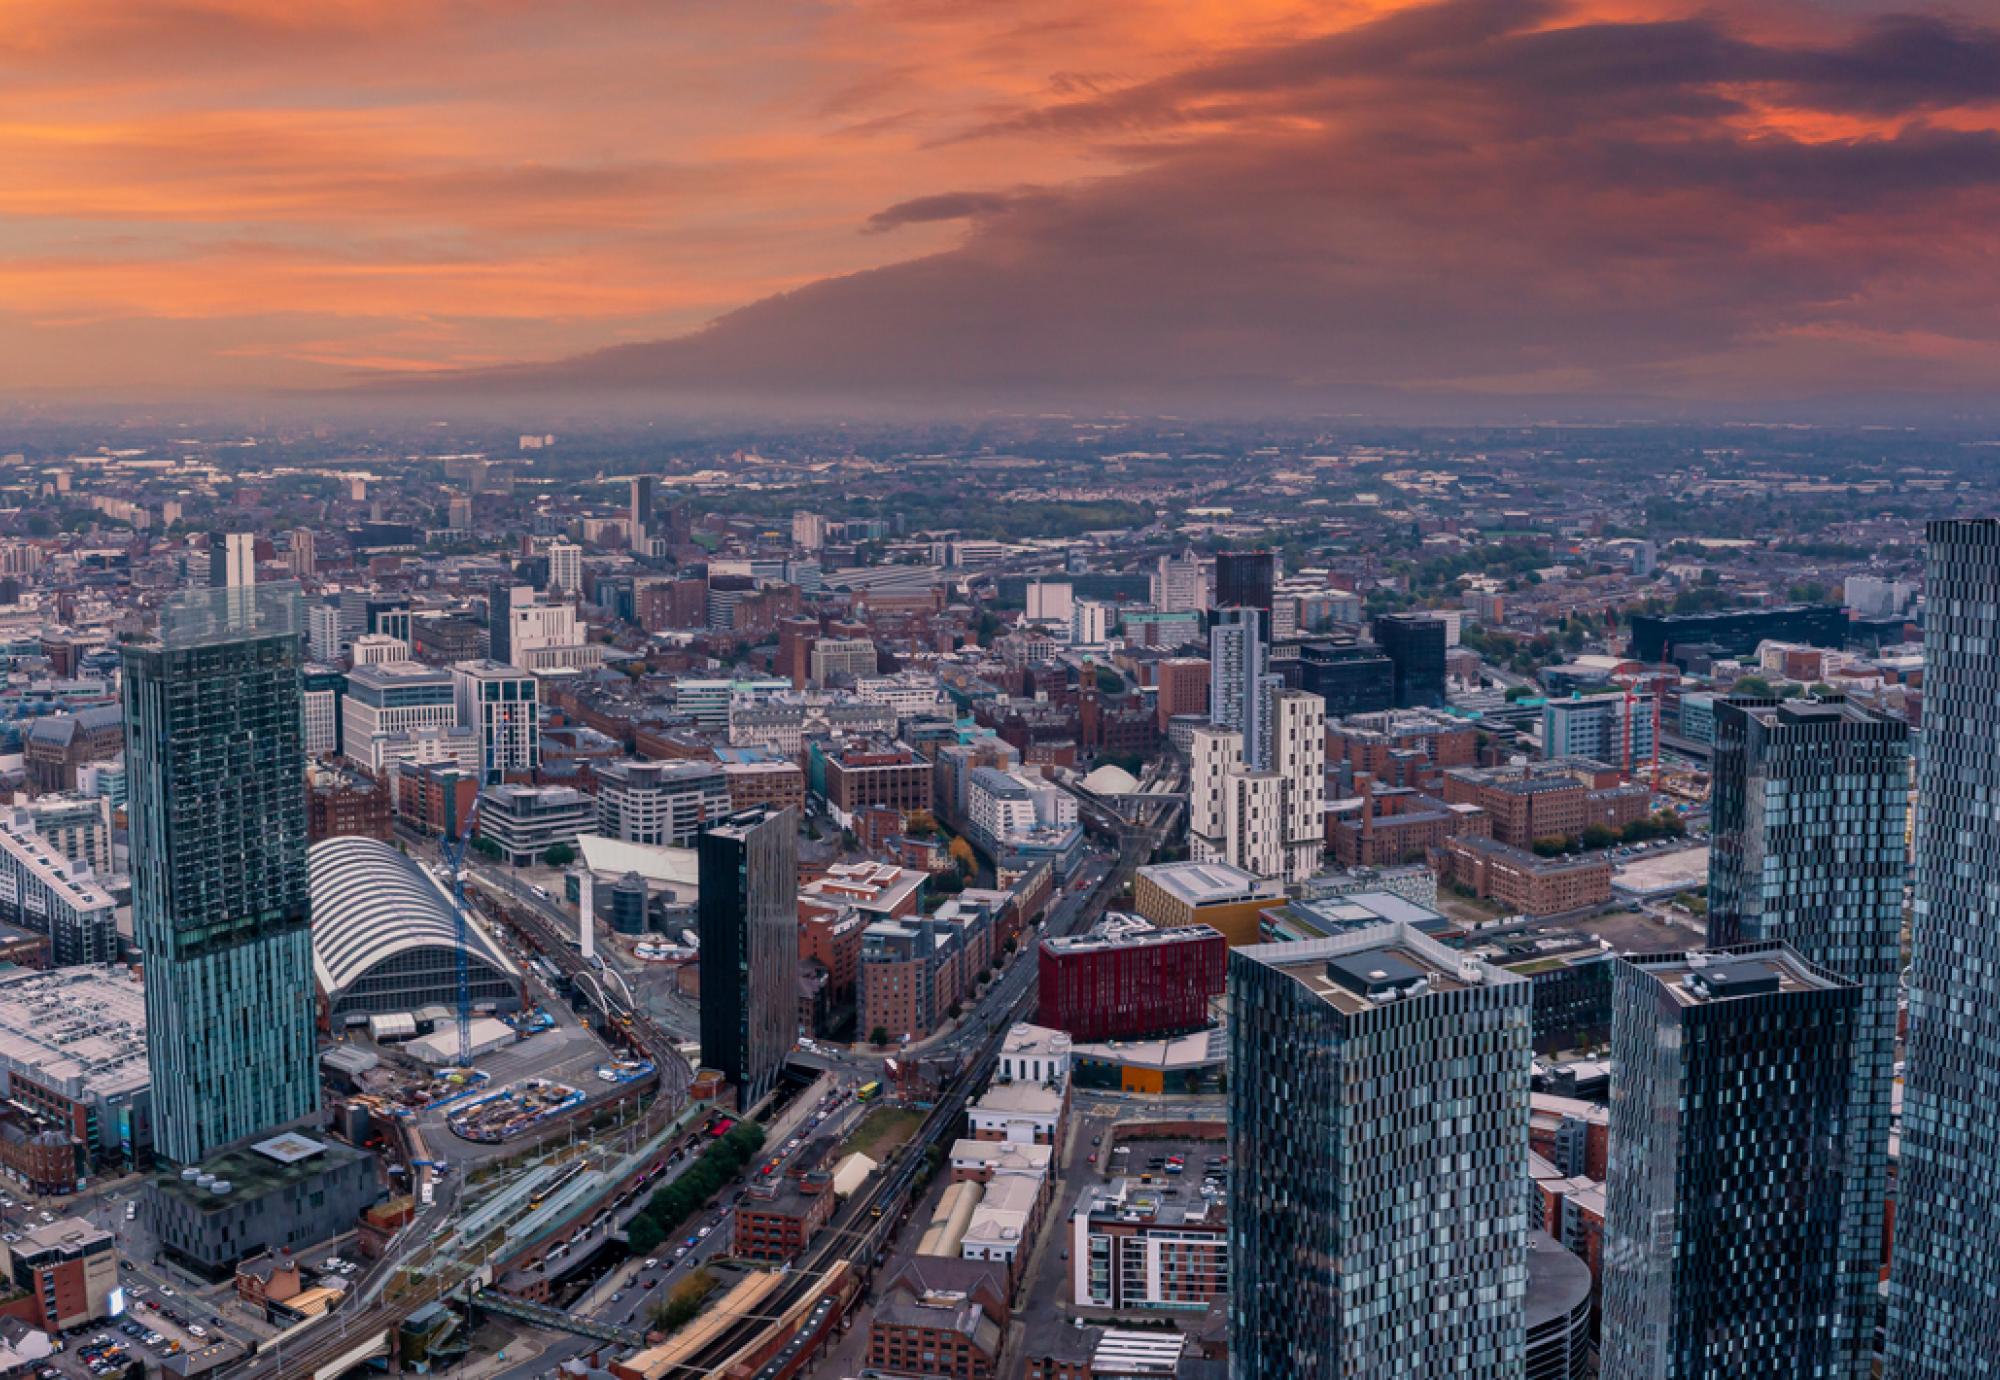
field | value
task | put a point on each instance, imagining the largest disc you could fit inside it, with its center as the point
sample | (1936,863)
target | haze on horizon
(1367,203)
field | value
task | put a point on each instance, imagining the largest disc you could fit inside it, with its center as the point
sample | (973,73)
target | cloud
(1481,196)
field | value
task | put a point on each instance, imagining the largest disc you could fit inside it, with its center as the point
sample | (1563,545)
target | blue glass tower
(214,745)
(1810,804)
(1944,1285)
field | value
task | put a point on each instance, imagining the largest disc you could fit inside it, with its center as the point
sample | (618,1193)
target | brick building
(1521,881)
(1387,826)
(340,803)
(776,1219)
(1183,688)
(888,774)
(941,1317)
(1132,984)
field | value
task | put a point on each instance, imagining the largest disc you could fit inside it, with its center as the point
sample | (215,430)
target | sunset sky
(1135,200)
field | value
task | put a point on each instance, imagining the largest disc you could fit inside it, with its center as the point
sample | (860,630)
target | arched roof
(1111,779)
(370,902)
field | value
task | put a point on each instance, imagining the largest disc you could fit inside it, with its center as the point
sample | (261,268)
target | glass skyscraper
(1944,1288)
(1809,807)
(214,746)
(1378,1127)
(748,919)
(1726,1194)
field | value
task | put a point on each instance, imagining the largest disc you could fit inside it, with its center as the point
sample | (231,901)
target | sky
(1146,203)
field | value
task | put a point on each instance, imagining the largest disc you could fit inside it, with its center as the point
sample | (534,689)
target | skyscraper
(643,487)
(1944,1290)
(1415,645)
(232,560)
(1809,806)
(749,946)
(215,749)
(1246,579)
(1378,1123)
(565,567)
(1298,760)
(1237,678)
(1727,1190)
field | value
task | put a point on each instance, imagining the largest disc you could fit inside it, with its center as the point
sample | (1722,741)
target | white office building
(391,698)
(502,705)
(565,567)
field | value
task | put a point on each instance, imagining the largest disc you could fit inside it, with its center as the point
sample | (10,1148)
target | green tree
(485,847)
(1751,685)
(879,1035)
(1599,836)
(954,1011)
(1551,844)
(559,855)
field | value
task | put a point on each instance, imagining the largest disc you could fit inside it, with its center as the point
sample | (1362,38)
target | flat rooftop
(1368,969)
(1210,884)
(1702,978)
(80,1031)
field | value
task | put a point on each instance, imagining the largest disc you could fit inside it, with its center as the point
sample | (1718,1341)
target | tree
(559,855)
(1550,845)
(1751,685)
(1599,836)
(1010,945)
(954,1011)
(879,1035)
(485,847)
(920,824)
(1517,693)
(962,854)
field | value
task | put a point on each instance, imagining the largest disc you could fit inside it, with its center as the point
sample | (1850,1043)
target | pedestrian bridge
(556,1320)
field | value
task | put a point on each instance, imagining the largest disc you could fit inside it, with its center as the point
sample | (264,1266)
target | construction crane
(454,859)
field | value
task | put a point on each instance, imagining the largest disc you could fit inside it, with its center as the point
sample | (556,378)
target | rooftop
(1373,968)
(252,1171)
(80,1031)
(1126,938)
(1705,977)
(1210,883)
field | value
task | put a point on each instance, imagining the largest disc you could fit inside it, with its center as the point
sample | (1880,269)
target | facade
(912,970)
(1943,1309)
(1414,644)
(1809,807)
(660,803)
(1237,658)
(391,698)
(524,822)
(1378,1109)
(1352,677)
(1135,984)
(1226,899)
(1558,1312)
(55,746)
(857,775)
(1617,728)
(1183,688)
(747,918)
(503,706)
(324,689)
(565,567)
(340,802)
(44,891)
(1730,1093)
(776,1219)
(1524,881)
(1179,584)
(284,1193)
(76,826)
(1133,1248)
(1245,579)
(69,1267)
(941,1317)
(1297,745)
(848,658)
(219,886)
(1733,632)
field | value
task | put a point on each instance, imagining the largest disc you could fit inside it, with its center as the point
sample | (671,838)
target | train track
(856,1233)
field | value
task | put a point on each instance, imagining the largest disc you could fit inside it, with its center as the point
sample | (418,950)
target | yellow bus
(867,1092)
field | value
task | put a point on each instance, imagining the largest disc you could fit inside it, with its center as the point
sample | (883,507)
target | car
(197,1331)
(690,1242)
(1091,1158)
(618,1297)
(652,1264)
(1097,1140)
(680,1251)
(703,1233)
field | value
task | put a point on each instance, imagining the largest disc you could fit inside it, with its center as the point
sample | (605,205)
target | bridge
(556,1319)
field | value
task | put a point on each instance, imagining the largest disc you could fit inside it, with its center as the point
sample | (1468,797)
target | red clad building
(1131,983)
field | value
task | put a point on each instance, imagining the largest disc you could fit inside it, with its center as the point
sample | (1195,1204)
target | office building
(1090,622)
(503,706)
(1179,584)
(644,488)
(1734,632)
(1132,983)
(1730,1095)
(1050,601)
(323,688)
(1870,597)
(1353,677)
(219,888)
(1246,579)
(77,827)
(1944,1307)
(73,1056)
(69,1267)
(1183,688)
(666,804)
(748,923)
(300,555)
(232,560)
(848,658)
(1378,1111)
(391,698)
(377,649)
(525,822)
(1809,806)
(1414,644)
(808,530)
(1618,729)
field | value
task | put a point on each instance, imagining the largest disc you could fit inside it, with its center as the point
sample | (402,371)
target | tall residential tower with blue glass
(216,756)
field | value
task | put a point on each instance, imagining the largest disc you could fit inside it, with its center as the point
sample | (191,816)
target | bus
(868,1092)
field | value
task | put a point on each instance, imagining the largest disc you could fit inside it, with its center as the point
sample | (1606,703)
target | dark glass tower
(1727,1187)
(748,922)
(1944,1289)
(1415,648)
(1246,579)
(214,743)
(1810,803)
(1378,1125)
